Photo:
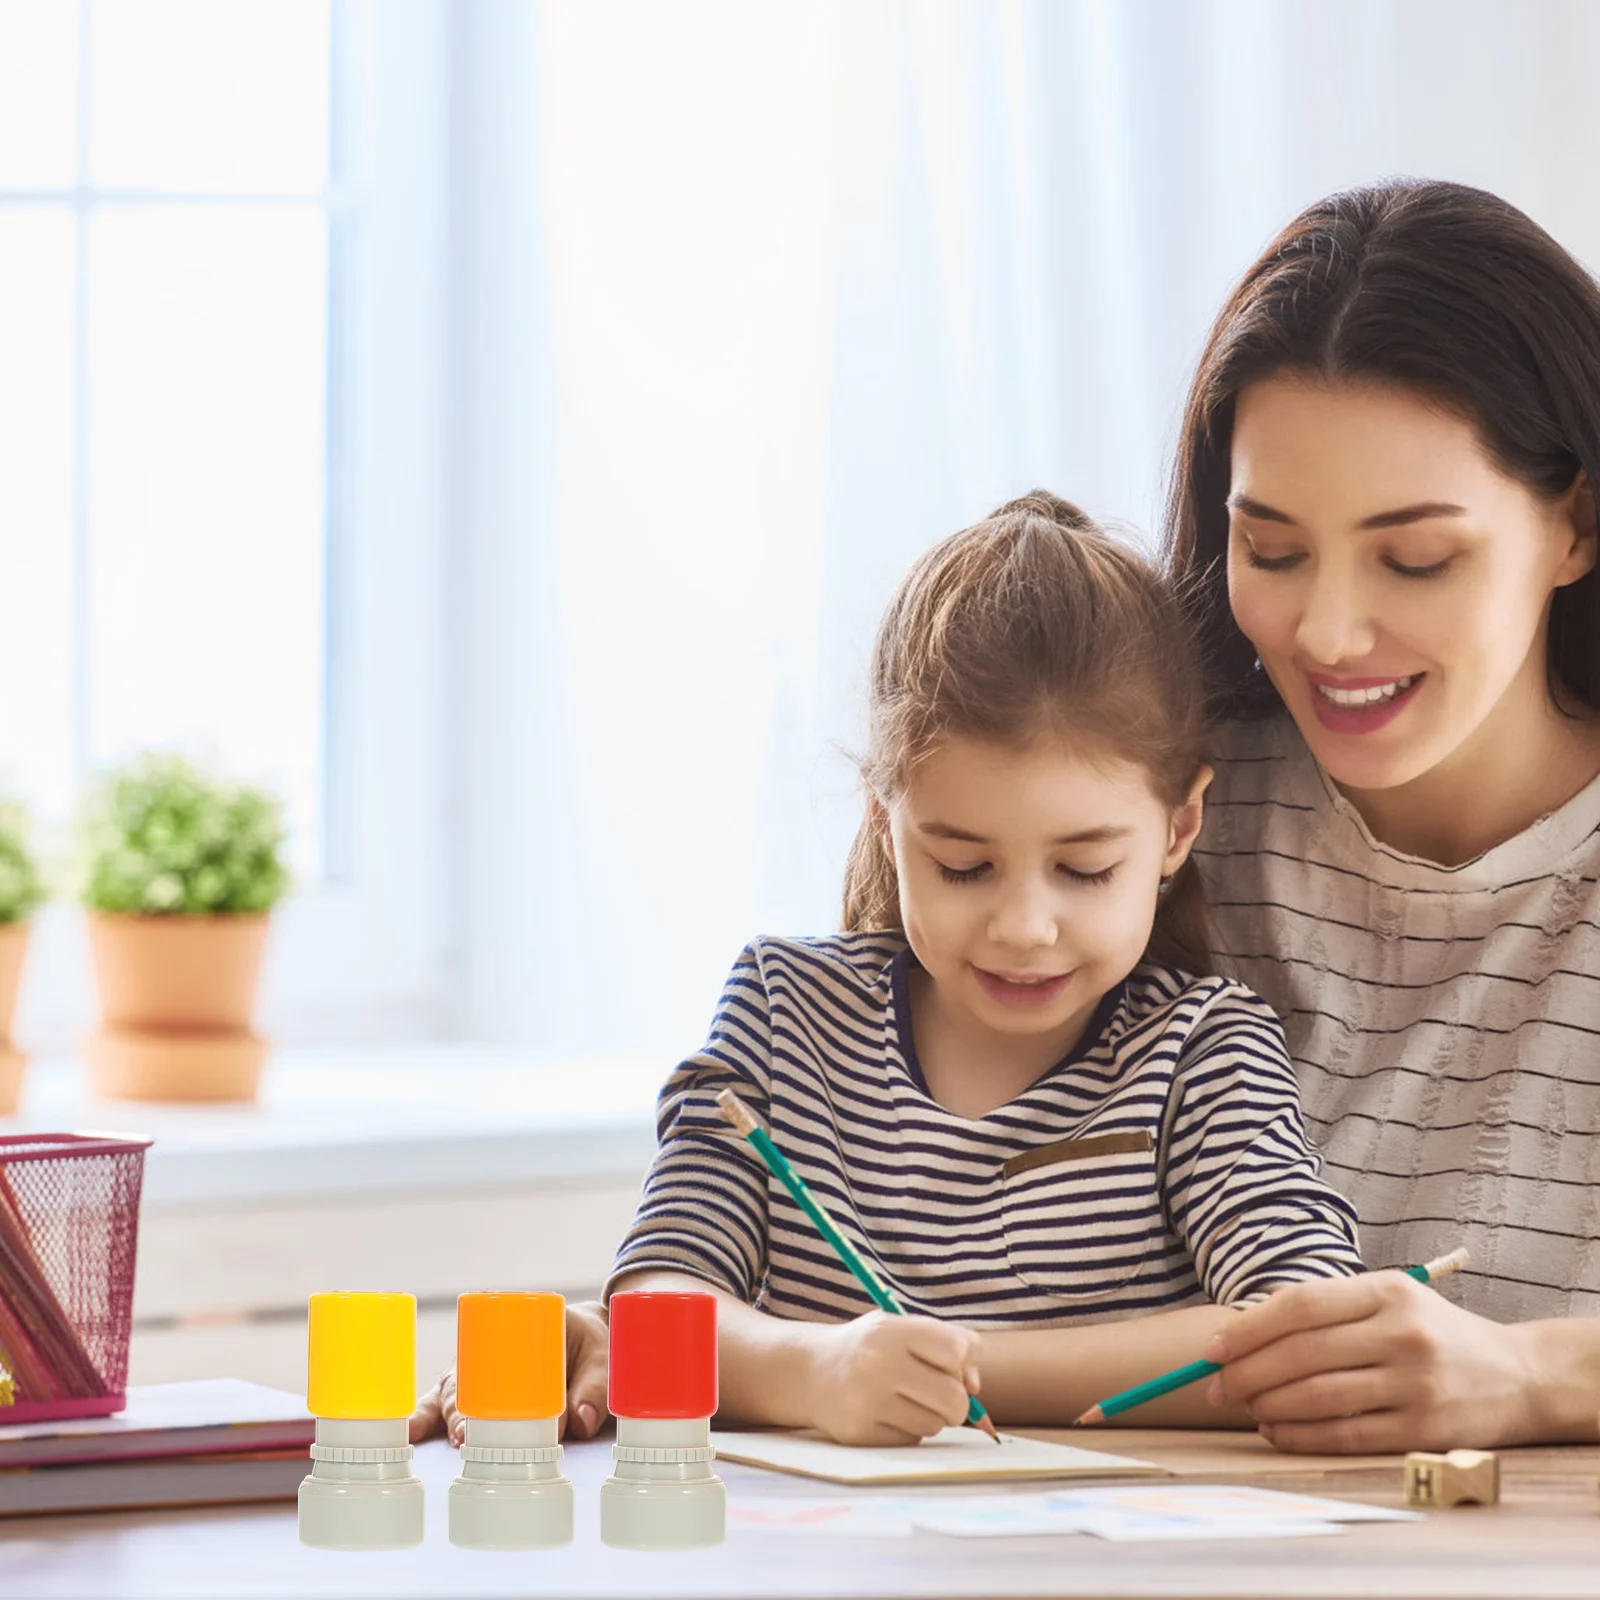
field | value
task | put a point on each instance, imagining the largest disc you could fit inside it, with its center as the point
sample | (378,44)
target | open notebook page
(954,1455)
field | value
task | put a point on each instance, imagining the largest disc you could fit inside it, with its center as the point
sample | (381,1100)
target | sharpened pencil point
(987,1426)
(1090,1417)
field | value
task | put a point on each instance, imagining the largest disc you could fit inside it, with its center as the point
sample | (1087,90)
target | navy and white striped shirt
(1161,1164)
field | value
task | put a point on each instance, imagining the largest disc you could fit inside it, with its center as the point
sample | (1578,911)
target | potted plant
(21,891)
(182,871)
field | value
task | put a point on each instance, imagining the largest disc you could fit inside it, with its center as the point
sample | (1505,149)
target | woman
(1384,518)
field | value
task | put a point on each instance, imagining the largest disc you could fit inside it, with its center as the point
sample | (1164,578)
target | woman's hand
(588,1338)
(884,1379)
(1376,1364)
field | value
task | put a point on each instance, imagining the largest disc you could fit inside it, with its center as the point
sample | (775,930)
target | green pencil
(1182,1377)
(745,1120)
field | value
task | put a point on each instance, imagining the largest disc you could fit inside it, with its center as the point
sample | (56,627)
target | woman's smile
(1361,705)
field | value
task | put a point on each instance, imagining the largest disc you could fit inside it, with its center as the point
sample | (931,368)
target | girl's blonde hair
(1035,622)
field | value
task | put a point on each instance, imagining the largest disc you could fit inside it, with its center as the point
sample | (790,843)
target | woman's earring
(1163,886)
(1257,666)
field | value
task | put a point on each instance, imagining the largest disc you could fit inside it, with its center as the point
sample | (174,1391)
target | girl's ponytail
(871,889)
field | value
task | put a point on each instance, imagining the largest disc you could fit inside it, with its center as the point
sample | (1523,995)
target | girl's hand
(1375,1364)
(436,1412)
(885,1379)
(588,1337)
(588,1345)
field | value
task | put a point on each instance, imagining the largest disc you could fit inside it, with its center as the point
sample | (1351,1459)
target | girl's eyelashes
(1104,875)
(962,874)
(973,874)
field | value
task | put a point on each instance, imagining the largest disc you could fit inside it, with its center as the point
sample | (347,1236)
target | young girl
(1009,1080)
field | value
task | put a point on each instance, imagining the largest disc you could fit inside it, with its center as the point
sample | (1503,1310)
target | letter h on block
(1462,1477)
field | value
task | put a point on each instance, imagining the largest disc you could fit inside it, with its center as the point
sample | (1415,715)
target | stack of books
(214,1442)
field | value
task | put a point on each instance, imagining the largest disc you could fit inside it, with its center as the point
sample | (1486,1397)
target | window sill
(411,1119)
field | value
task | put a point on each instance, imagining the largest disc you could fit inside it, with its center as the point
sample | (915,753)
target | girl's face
(1395,583)
(1028,879)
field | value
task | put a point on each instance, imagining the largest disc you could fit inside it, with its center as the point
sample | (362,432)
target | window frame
(362,952)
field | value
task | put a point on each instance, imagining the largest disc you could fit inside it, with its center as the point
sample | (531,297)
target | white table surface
(255,1551)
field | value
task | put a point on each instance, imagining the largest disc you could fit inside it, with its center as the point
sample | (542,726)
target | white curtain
(754,302)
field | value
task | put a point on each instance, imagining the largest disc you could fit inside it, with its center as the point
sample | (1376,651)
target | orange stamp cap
(511,1356)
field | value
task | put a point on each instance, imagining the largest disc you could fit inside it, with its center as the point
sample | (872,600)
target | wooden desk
(1543,1540)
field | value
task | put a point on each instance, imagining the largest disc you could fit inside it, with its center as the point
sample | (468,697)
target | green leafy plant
(22,885)
(164,838)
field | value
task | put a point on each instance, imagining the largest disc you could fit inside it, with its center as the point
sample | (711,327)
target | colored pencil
(1182,1377)
(745,1120)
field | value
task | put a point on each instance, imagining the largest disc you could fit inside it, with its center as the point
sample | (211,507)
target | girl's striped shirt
(1444,1022)
(1162,1163)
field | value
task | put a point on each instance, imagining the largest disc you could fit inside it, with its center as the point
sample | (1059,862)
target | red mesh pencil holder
(69,1226)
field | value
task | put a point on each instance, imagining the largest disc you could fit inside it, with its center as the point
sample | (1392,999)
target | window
(164,311)
(217,450)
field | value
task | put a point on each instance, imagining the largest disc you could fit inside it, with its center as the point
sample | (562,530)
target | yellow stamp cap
(362,1356)
(511,1356)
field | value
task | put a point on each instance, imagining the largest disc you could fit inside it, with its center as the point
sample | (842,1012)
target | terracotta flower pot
(13,947)
(177,973)
(176,997)
(146,1064)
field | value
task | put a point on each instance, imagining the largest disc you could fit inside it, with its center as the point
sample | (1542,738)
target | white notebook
(955,1455)
(210,1414)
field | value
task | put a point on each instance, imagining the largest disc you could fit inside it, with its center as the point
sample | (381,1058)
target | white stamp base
(511,1494)
(361,1516)
(361,1494)
(511,1516)
(662,1494)
(663,1516)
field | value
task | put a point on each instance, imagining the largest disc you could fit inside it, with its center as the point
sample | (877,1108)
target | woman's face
(1395,583)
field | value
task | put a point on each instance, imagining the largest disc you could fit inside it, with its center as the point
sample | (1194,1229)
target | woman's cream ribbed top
(1444,1023)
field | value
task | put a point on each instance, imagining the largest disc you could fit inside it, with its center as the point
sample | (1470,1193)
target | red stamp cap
(663,1359)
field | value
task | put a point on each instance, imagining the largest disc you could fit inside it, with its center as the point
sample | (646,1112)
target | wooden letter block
(1463,1477)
